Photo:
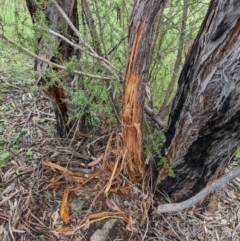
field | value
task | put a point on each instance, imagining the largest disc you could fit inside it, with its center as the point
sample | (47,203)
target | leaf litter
(51,190)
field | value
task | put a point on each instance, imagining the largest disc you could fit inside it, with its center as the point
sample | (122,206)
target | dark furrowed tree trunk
(140,38)
(204,125)
(47,45)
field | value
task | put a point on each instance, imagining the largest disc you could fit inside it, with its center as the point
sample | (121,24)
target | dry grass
(31,193)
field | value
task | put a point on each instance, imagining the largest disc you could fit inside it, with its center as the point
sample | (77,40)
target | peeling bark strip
(204,126)
(140,37)
(46,46)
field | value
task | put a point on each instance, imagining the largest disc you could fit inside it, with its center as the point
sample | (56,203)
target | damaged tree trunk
(204,125)
(140,38)
(56,50)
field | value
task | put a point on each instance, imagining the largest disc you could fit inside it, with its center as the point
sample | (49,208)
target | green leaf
(41,120)
(3,141)
(238,153)
(29,153)
(4,155)
(16,138)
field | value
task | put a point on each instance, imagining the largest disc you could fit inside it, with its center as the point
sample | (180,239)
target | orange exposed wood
(64,210)
(132,116)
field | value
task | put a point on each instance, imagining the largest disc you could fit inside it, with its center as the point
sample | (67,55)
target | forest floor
(32,190)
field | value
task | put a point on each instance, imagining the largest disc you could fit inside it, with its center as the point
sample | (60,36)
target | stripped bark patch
(132,116)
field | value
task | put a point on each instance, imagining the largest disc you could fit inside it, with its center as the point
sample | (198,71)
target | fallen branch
(169,208)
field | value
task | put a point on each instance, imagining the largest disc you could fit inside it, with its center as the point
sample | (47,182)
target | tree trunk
(204,131)
(140,38)
(47,45)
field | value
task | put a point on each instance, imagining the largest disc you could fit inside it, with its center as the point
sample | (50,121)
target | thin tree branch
(95,56)
(33,55)
(100,28)
(154,117)
(92,27)
(105,62)
(175,207)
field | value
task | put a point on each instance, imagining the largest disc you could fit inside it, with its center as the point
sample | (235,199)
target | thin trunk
(92,28)
(165,108)
(96,39)
(204,131)
(141,27)
(46,49)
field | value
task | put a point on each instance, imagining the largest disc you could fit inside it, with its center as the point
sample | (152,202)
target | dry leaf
(96,161)
(130,224)
(55,217)
(1,229)
(224,221)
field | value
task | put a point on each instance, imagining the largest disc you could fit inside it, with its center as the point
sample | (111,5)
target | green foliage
(29,153)
(153,141)
(3,157)
(71,64)
(164,162)
(78,101)
(166,45)
(16,138)
(238,153)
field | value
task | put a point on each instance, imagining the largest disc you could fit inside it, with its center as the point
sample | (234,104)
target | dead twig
(5,199)
(154,117)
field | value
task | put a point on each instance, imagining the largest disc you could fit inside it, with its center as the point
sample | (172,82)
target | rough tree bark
(204,123)
(140,38)
(46,45)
